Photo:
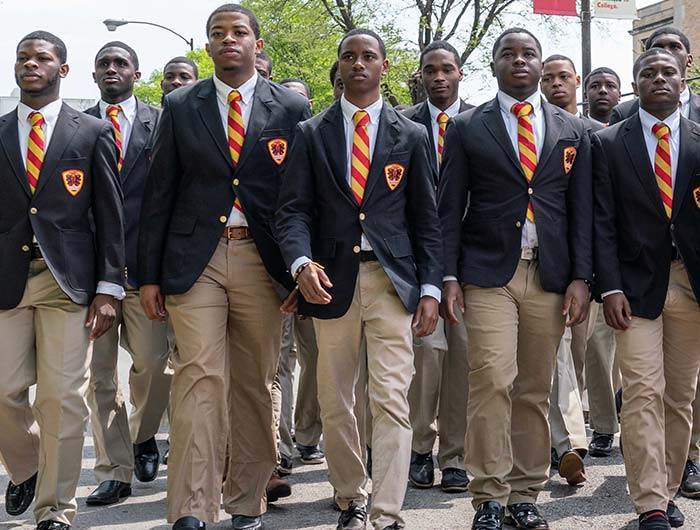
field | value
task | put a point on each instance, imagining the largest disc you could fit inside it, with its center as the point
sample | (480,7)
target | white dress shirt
(528,239)
(451,112)
(374,111)
(685,102)
(125,118)
(648,121)
(50,113)
(247,91)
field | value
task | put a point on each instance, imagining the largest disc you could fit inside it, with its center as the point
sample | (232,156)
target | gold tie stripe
(442,126)
(527,148)
(236,133)
(35,149)
(662,166)
(360,155)
(113,115)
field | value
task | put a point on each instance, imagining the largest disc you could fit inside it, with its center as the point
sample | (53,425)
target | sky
(79,24)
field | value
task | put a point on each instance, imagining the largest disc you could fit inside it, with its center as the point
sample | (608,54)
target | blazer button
(25,248)
(33,210)
(530,191)
(223,218)
(235,182)
(362,217)
(518,224)
(356,249)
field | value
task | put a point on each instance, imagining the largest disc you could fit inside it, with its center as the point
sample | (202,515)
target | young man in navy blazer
(358,228)
(517,266)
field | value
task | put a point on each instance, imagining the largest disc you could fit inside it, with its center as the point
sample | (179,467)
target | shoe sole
(599,454)
(122,495)
(454,489)
(508,520)
(690,494)
(419,485)
(313,461)
(15,513)
(572,469)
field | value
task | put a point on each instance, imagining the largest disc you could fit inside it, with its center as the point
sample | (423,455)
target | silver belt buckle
(528,254)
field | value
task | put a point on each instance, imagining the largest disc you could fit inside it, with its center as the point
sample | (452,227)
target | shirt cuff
(449,279)
(607,293)
(430,290)
(112,289)
(298,263)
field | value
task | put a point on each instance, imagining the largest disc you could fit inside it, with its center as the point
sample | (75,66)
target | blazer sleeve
(579,203)
(453,190)
(161,188)
(108,211)
(294,216)
(607,265)
(422,213)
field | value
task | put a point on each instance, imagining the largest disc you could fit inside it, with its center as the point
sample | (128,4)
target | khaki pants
(45,342)
(602,374)
(377,314)
(438,392)
(307,413)
(568,428)
(114,433)
(227,328)
(514,332)
(694,451)
(659,360)
(283,391)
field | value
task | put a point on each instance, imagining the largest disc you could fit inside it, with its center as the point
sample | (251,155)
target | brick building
(684,14)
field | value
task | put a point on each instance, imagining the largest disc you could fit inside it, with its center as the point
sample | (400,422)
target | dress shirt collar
(451,111)
(506,102)
(349,110)
(128,107)
(648,121)
(49,112)
(246,90)
(685,96)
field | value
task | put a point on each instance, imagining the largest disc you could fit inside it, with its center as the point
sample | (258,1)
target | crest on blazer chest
(696,196)
(73,180)
(393,174)
(569,158)
(278,150)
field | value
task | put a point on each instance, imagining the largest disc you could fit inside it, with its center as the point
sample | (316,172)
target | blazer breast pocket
(73,173)
(275,143)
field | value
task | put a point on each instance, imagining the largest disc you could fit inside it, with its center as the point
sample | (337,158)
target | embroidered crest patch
(569,157)
(394,174)
(278,150)
(73,180)
(696,196)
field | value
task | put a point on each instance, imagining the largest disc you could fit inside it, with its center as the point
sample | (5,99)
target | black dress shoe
(601,444)
(618,403)
(354,518)
(525,515)
(311,454)
(146,460)
(393,526)
(454,480)
(108,492)
(369,462)
(246,522)
(52,525)
(654,520)
(675,515)
(189,523)
(285,467)
(18,497)
(422,471)
(554,458)
(690,485)
(489,516)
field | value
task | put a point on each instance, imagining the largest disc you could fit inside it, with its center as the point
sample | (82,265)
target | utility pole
(585,43)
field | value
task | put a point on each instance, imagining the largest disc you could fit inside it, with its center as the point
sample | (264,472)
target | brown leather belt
(237,232)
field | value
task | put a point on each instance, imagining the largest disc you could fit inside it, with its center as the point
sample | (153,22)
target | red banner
(555,7)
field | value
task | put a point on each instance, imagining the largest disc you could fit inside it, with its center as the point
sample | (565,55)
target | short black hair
(265,57)
(236,8)
(58,44)
(650,53)
(510,31)
(181,59)
(558,57)
(119,44)
(334,72)
(667,30)
(600,71)
(440,45)
(364,31)
(297,80)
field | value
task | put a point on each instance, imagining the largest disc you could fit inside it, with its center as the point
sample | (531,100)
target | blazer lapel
(209,112)
(463,107)
(259,115)
(637,152)
(332,131)
(553,127)
(64,130)
(9,138)
(689,141)
(386,138)
(140,133)
(494,124)
(94,111)
(424,118)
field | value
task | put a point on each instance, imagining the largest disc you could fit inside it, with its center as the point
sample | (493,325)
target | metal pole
(585,42)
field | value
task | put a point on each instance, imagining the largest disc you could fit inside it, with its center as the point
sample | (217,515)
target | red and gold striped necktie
(442,126)
(527,147)
(360,155)
(662,165)
(113,115)
(35,149)
(236,133)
